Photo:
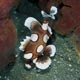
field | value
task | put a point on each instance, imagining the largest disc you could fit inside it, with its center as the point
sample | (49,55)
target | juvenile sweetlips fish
(36,52)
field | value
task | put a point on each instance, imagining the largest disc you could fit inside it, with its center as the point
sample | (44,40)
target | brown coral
(5,7)
(7,41)
(69,17)
(7,33)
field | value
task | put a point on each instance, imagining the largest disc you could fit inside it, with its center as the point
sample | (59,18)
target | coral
(7,42)
(8,35)
(68,18)
(5,7)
